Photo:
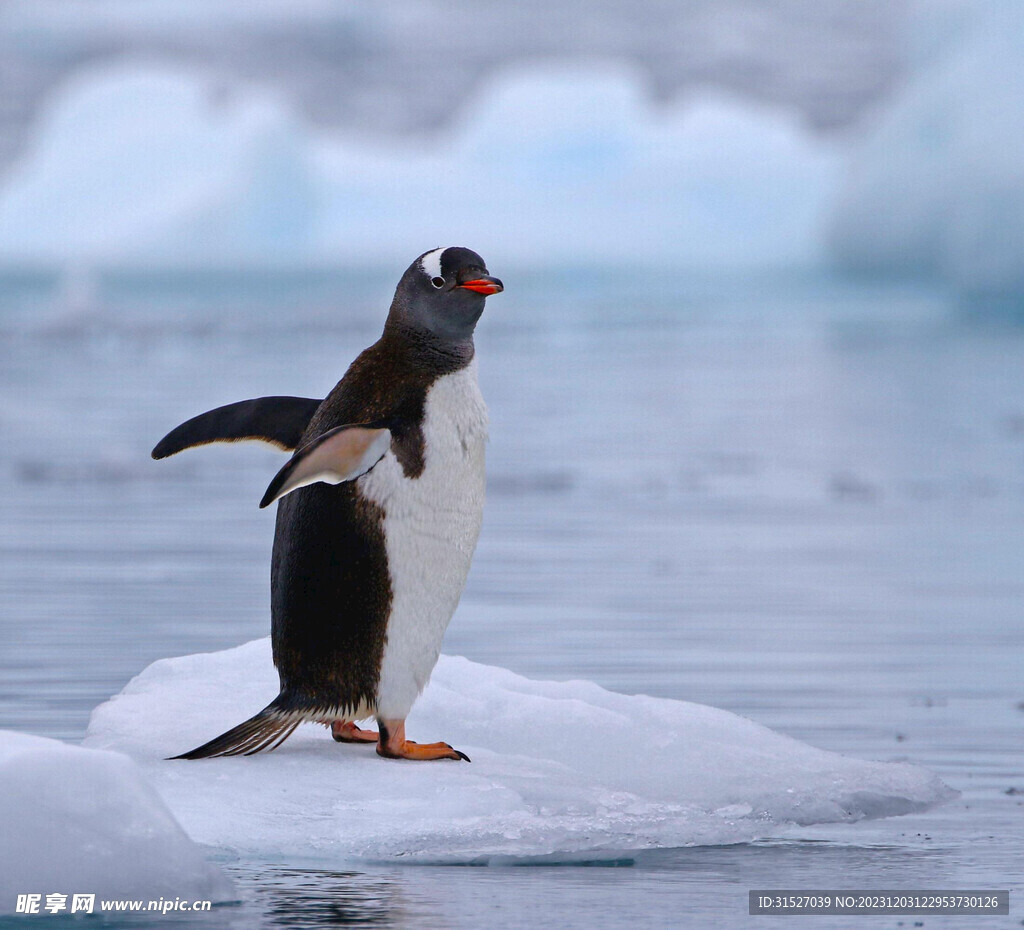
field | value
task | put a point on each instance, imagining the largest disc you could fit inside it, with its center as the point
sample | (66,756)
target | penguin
(378,513)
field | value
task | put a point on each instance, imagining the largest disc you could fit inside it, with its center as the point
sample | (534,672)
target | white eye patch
(431,263)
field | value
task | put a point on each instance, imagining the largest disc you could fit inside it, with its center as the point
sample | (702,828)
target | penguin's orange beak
(485,285)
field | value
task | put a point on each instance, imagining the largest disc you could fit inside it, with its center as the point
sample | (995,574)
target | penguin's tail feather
(265,731)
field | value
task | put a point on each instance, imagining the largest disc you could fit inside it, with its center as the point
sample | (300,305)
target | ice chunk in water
(560,769)
(86,821)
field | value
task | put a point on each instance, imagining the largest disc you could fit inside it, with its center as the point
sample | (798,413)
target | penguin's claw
(461,755)
(344,731)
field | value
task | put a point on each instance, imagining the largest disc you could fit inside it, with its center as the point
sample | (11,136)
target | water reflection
(314,898)
(645,888)
(799,864)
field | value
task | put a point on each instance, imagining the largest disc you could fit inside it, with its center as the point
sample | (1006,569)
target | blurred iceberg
(564,770)
(937,190)
(143,165)
(565,164)
(134,163)
(82,820)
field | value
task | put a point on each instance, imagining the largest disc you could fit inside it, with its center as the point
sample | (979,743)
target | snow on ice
(560,770)
(86,821)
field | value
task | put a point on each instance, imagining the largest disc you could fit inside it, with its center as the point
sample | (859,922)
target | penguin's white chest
(431,525)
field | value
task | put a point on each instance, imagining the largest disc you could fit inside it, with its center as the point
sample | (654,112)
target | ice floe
(87,821)
(563,770)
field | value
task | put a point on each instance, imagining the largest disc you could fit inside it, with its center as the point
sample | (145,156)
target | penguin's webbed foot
(427,751)
(345,731)
(393,745)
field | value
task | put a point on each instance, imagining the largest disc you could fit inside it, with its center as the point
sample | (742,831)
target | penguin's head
(443,292)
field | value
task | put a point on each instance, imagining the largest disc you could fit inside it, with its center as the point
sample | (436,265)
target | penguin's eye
(437,282)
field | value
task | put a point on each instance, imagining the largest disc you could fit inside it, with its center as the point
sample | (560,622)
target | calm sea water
(797,500)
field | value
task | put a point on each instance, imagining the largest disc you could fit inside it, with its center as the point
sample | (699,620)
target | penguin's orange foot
(393,745)
(411,750)
(344,731)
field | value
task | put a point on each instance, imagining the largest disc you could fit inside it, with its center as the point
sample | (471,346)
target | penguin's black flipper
(340,454)
(280,421)
(267,730)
